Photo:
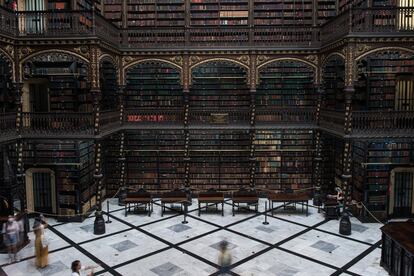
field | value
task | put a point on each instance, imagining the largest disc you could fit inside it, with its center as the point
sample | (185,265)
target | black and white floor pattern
(291,244)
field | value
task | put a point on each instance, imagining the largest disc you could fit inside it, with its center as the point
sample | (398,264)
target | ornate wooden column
(317,160)
(186,92)
(253,84)
(99,224)
(349,92)
(20,173)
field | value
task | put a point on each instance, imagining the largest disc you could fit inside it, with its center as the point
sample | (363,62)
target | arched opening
(109,86)
(286,84)
(152,85)
(385,82)
(333,82)
(219,87)
(56,93)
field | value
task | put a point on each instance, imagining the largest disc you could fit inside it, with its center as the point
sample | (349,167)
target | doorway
(41,190)
(401,203)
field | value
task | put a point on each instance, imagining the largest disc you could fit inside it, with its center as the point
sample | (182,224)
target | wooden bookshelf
(219,158)
(112,163)
(112,10)
(378,77)
(153,85)
(333,84)
(326,10)
(285,84)
(155,159)
(73,165)
(7,98)
(284,159)
(109,86)
(218,87)
(286,13)
(373,162)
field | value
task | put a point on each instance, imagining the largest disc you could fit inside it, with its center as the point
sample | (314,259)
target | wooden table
(397,251)
(211,197)
(138,198)
(173,197)
(245,197)
(289,198)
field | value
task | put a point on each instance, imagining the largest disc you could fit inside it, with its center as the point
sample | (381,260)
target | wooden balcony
(286,116)
(378,21)
(381,21)
(383,122)
(57,24)
(226,36)
(65,124)
(370,123)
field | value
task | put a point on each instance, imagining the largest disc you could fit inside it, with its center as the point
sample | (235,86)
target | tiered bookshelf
(284,158)
(155,159)
(7,100)
(219,12)
(151,13)
(219,86)
(380,158)
(59,4)
(67,94)
(219,158)
(333,83)
(112,169)
(326,10)
(73,164)
(109,86)
(285,84)
(378,76)
(332,163)
(153,85)
(286,13)
(112,10)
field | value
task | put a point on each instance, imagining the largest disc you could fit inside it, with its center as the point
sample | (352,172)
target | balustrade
(90,23)
(286,116)
(57,123)
(383,121)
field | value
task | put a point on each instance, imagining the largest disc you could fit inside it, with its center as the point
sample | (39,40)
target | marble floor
(290,244)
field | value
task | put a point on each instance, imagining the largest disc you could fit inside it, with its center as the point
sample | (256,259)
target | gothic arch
(383,49)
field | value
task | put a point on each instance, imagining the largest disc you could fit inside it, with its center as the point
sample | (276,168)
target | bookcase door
(41,190)
(403,193)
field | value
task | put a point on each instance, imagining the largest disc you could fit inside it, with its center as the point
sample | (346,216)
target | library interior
(230,137)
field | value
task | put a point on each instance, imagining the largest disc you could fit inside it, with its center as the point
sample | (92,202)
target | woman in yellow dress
(41,249)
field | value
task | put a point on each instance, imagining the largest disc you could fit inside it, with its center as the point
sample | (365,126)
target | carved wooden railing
(382,20)
(59,24)
(8,123)
(57,123)
(219,36)
(286,116)
(383,121)
(386,20)
(333,120)
(150,116)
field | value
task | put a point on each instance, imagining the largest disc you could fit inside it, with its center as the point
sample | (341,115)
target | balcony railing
(219,36)
(383,121)
(376,20)
(219,117)
(286,116)
(385,20)
(57,123)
